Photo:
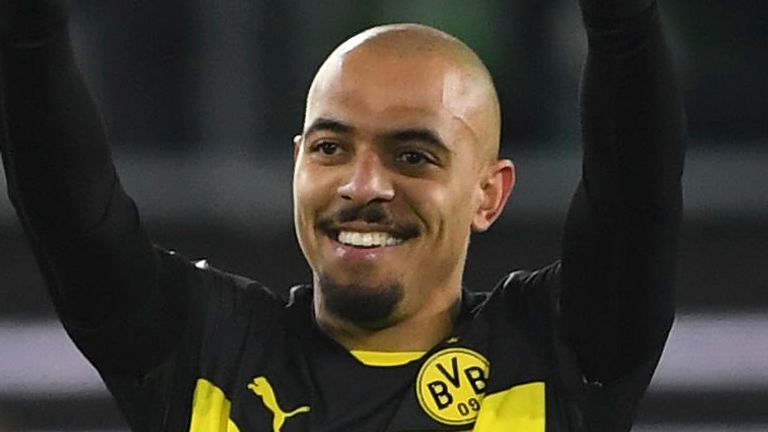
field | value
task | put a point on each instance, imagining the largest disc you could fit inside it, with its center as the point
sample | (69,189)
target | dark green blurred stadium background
(202,98)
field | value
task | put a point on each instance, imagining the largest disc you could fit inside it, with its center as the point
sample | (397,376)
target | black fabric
(23,20)
(612,9)
(620,235)
(591,327)
(242,331)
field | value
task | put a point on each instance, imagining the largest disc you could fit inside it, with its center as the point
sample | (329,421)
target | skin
(403,119)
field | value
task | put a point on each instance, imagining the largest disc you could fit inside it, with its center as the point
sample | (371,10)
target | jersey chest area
(482,380)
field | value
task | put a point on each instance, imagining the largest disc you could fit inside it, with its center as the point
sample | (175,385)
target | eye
(328,148)
(414,158)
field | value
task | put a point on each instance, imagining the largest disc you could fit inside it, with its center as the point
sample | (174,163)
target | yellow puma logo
(262,388)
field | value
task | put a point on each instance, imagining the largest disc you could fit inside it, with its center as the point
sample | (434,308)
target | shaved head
(467,89)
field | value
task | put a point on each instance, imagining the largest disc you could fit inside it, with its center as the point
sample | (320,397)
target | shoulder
(537,290)
(200,274)
(217,294)
(522,281)
(233,284)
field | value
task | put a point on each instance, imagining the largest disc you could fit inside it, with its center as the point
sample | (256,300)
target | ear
(296,146)
(495,191)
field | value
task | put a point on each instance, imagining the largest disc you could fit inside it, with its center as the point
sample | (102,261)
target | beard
(371,307)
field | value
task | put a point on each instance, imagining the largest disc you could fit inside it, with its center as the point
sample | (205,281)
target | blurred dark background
(201,99)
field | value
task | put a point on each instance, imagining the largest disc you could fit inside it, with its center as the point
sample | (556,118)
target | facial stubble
(371,307)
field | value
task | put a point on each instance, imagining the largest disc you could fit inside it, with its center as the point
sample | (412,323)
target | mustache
(374,213)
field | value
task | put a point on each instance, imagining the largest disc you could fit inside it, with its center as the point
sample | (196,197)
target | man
(397,165)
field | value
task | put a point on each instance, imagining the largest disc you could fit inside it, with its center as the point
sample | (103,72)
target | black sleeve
(96,259)
(620,240)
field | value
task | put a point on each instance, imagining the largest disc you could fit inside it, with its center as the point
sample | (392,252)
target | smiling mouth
(367,239)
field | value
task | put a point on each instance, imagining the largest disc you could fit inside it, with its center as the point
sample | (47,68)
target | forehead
(370,88)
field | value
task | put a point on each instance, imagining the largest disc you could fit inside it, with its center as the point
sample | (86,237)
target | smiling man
(396,167)
(397,164)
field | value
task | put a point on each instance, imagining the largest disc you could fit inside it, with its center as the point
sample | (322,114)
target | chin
(368,305)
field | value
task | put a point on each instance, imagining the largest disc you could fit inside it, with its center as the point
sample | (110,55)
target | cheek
(461,199)
(309,197)
(446,209)
(311,187)
(300,195)
(301,187)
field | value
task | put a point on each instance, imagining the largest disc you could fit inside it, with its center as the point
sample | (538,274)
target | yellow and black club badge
(451,385)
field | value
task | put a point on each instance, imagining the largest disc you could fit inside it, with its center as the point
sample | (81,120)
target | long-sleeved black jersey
(183,346)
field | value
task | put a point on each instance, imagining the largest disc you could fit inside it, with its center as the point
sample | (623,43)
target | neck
(419,331)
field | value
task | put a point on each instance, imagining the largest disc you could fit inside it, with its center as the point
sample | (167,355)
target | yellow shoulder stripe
(520,408)
(210,409)
(386,358)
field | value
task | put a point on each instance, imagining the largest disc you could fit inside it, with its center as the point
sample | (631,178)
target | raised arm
(620,238)
(97,262)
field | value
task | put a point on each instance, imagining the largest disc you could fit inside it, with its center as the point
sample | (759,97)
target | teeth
(368,239)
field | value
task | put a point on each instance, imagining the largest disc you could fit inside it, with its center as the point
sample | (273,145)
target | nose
(368,181)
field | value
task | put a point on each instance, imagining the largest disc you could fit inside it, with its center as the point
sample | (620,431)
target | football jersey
(260,363)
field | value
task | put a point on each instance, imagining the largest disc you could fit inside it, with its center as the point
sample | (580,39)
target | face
(389,181)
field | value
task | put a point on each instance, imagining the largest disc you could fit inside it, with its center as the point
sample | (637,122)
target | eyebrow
(330,125)
(423,135)
(426,136)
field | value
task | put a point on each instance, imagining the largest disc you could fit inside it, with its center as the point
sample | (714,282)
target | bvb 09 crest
(451,385)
